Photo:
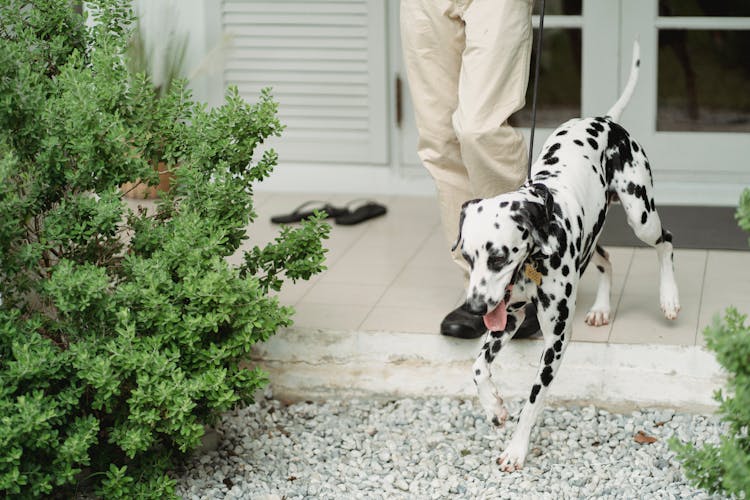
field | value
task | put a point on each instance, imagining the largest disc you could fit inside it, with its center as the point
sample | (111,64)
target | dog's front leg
(555,343)
(489,397)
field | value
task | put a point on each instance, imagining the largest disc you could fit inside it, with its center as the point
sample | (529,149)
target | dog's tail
(616,110)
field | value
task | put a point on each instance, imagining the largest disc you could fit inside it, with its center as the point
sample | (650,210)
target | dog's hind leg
(489,397)
(637,199)
(598,315)
(555,324)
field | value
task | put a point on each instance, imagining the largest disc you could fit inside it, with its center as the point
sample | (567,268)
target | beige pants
(467,63)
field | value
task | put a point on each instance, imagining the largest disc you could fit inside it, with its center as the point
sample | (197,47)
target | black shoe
(530,325)
(462,324)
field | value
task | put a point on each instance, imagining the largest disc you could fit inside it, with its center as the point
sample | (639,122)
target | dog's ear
(461,222)
(537,216)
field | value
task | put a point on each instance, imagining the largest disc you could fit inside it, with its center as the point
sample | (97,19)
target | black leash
(536,85)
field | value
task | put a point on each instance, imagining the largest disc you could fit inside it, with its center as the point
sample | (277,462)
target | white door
(692,107)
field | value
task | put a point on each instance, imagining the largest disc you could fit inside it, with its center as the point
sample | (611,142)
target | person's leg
(432,39)
(492,86)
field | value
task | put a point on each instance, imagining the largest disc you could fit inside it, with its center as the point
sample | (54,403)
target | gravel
(439,448)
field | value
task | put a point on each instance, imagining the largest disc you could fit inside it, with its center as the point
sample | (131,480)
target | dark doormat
(712,228)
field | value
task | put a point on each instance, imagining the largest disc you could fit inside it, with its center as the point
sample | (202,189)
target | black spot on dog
(644,217)
(510,324)
(565,270)
(562,132)
(592,132)
(578,142)
(496,347)
(597,126)
(549,356)
(568,289)
(503,204)
(665,236)
(592,143)
(546,376)
(477,372)
(555,261)
(559,328)
(551,150)
(480,208)
(543,298)
(542,269)
(551,160)
(534,392)
(562,310)
(497,226)
(515,205)
(635,146)
(618,149)
(601,269)
(558,344)
(516,305)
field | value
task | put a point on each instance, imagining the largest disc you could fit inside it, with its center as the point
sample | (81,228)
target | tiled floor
(394,274)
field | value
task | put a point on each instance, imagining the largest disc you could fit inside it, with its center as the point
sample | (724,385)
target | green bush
(725,468)
(122,332)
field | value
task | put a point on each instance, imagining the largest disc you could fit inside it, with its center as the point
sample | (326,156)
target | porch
(368,325)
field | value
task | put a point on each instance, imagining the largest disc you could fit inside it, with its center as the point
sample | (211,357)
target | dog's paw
(669,299)
(670,309)
(597,317)
(499,416)
(512,458)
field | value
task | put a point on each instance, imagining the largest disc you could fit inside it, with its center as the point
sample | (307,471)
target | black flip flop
(369,210)
(304,211)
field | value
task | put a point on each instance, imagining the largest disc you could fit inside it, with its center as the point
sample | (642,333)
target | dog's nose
(475,308)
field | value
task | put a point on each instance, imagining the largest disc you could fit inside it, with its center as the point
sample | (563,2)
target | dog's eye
(496,262)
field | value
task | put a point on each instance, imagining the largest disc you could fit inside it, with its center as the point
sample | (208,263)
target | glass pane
(705,8)
(559,8)
(559,96)
(703,80)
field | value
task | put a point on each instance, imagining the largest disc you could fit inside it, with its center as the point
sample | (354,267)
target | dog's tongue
(495,320)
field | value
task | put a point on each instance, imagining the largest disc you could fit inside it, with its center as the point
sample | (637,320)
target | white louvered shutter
(325,62)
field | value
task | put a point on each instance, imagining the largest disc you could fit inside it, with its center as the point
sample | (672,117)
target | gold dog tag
(534,275)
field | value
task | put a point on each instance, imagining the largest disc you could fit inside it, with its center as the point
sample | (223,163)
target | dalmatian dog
(533,245)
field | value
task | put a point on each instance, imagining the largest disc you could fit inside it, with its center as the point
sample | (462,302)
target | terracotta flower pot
(139,190)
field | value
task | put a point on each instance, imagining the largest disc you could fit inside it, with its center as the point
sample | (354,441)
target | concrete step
(306,363)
